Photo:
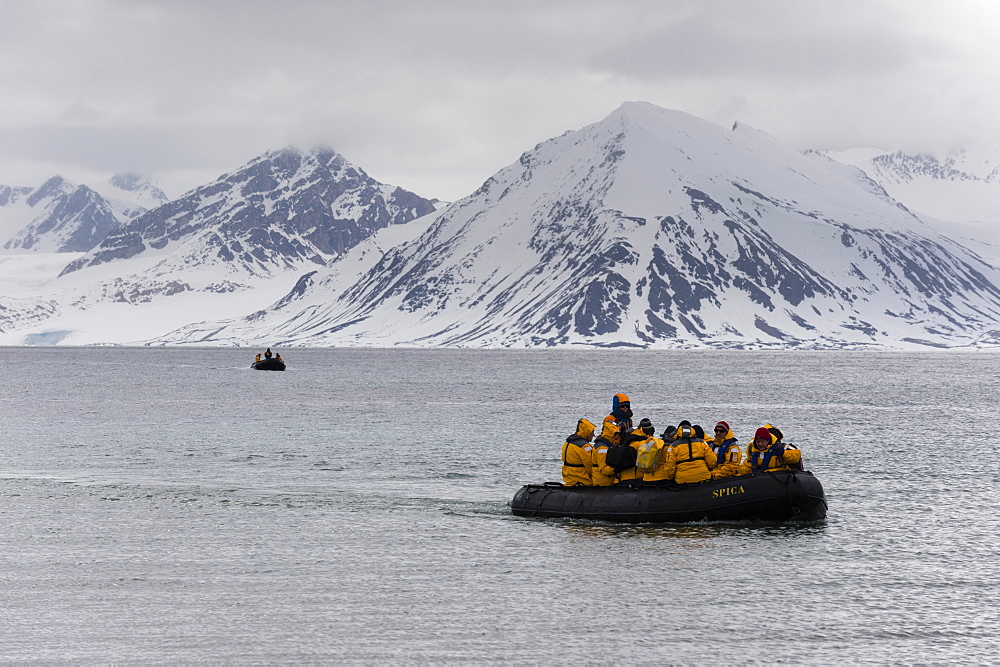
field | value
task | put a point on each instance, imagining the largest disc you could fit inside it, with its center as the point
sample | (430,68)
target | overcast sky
(437,95)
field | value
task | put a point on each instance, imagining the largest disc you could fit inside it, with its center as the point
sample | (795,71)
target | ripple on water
(176,505)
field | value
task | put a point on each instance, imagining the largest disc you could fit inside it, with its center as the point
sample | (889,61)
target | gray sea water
(166,505)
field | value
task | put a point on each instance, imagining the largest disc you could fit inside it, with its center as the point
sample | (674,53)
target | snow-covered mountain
(60,216)
(57,216)
(650,228)
(11,195)
(221,250)
(132,194)
(958,193)
(281,212)
(958,186)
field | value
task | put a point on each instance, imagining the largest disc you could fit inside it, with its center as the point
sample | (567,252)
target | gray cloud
(437,95)
(777,43)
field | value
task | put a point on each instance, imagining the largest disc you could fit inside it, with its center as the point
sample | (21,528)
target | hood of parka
(585,429)
(621,407)
(609,431)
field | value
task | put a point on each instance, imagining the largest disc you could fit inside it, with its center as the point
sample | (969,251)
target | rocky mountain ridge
(282,211)
(651,228)
(63,217)
(241,238)
(956,186)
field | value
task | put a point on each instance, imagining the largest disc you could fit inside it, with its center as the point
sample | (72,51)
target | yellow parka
(728,455)
(783,456)
(635,439)
(660,472)
(690,460)
(601,473)
(577,456)
(619,418)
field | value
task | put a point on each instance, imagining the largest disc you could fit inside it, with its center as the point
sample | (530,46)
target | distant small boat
(272,364)
(784,495)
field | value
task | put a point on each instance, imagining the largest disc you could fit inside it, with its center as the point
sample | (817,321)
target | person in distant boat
(727,452)
(691,459)
(601,473)
(577,455)
(257,359)
(621,414)
(267,353)
(277,357)
(768,453)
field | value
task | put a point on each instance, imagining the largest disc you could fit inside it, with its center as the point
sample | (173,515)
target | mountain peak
(958,186)
(51,187)
(648,115)
(651,228)
(53,183)
(323,149)
(129,181)
(139,190)
(63,217)
(283,210)
(640,110)
(292,158)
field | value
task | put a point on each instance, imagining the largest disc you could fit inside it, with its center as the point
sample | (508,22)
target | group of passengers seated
(681,454)
(267,355)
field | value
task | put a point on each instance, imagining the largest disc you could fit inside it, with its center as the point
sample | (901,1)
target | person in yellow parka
(665,443)
(768,453)
(601,473)
(636,438)
(690,460)
(669,437)
(727,452)
(621,413)
(577,457)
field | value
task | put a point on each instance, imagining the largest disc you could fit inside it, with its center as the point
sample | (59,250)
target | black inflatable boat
(785,495)
(270,364)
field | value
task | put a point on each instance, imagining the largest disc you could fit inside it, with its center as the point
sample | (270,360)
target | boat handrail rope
(548,487)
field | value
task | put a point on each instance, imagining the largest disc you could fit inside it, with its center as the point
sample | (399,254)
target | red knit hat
(762,433)
(724,425)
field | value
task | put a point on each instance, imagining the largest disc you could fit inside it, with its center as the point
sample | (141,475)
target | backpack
(621,457)
(648,456)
